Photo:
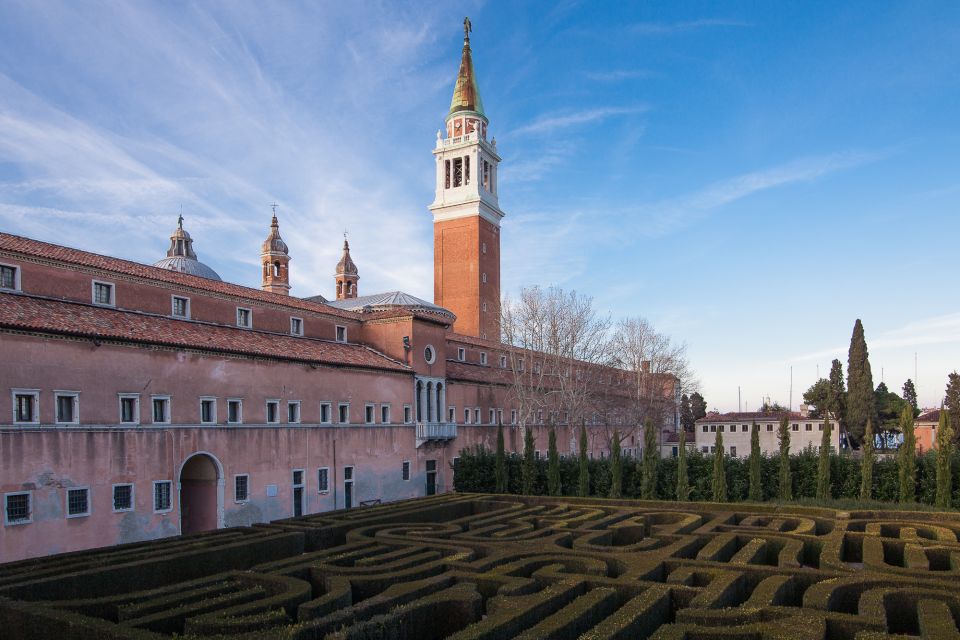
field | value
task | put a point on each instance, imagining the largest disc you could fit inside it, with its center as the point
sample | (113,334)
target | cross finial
(274,207)
(467,28)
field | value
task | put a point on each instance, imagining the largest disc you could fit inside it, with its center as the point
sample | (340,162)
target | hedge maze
(500,567)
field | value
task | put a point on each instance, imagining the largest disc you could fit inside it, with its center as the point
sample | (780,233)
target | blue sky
(750,176)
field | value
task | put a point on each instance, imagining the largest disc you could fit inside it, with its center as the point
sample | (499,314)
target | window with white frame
(17,508)
(385,414)
(326,411)
(483,278)
(293,411)
(78,502)
(241,487)
(122,497)
(503,362)
(369,413)
(67,407)
(244,318)
(466,416)
(235,411)
(483,357)
(162,496)
(499,416)
(451,414)
(129,408)
(429,355)
(343,413)
(493,416)
(323,480)
(273,411)
(208,410)
(341,333)
(296,326)
(461,354)
(484,306)
(407,414)
(9,277)
(103,293)
(513,416)
(180,307)
(160,409)
(476,415)
(405,470)
(536,454)
(26,406)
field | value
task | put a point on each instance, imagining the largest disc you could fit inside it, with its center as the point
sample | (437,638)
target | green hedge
(474,473)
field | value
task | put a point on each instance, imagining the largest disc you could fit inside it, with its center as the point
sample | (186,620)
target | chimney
(645,366)
(805,410)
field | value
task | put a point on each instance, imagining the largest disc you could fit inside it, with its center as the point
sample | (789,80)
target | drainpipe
(334,473)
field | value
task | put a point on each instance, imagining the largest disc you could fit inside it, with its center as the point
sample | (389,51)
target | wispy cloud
(942,329)
(672,28)
(553,121)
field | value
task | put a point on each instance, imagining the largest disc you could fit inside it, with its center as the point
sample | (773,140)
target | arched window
(276,269)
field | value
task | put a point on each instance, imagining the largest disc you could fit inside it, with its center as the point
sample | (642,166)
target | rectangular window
(486,175)
(325,412)
(162,500)
(466,169)
(536,454)
(180,307)
(293,411)
(461,354)
(713,428)
(796,427)
(513,416)
(446,178)
(483,358)
(244,318)
(235,411)
(407,414)
(705,428)
(457,172)
(208,410)
(130,408)
(368,413)
(499,416)
(769,427)
(67,407)
(78,502)
(720,428)
(503,362)
(451,414)
(25,406)
(241,487)
(323,480)
(809,427)
(476,415)
(343,413)
(385,414)
(405,472)
(493,416)
(161,409)
(273,411)
(103,294)
(348,473)
(341,334)
(9,277)
(122,497)
(744,428)
(705,449)
(733,452)
(820,427)
(466,416)
(296,326)
(17,508)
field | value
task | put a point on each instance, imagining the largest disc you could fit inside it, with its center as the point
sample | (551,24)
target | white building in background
(805,431)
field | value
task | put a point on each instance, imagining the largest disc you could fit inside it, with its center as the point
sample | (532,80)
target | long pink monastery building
(140,401)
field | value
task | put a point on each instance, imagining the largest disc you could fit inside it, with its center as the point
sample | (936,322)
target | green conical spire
(466,93)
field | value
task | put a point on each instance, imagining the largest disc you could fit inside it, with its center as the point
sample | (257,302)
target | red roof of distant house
(929,416)
(478,373)
(36,248)
(23,312)
(747,416)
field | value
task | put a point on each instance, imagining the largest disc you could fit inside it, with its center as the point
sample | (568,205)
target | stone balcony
(435,431)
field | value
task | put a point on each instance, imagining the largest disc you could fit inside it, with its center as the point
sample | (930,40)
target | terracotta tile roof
(478,373)
(36,248)
(929,416)
(23,312)
(747,416)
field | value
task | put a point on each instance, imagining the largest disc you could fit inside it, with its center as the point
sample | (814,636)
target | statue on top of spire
(467,28)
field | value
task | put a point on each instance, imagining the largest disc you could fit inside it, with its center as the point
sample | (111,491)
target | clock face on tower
(457,128)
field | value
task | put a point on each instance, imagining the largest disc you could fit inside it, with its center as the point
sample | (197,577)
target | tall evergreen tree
(683,481)
(698,406)
(944,456)
(910,396)
(616,466)
(686,413)
(553,464)
(837,400)
(500,466)
(529,469)
(823,466)
(860,393)
(719,484)
(783,436)
(648,479)
(907,457)
(952,404)
(584,480)
(756,489)
(866,464)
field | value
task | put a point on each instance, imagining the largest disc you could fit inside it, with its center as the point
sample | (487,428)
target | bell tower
(275,259)
(466,211)
(347,275)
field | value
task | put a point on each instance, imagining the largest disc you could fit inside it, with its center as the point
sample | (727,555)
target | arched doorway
(201,494)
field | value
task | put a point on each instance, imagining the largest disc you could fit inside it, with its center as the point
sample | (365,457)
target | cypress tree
(648,481)
(783,436)
(756,490)
(584,488)
(907,457)
(944,455)
(823,464)
(683,482)
(529,469)
(616,466)
(553,465)
(500,467)
(866,465)
(719,483)
(910,396)
(952,404)
(837,399)
(860,394)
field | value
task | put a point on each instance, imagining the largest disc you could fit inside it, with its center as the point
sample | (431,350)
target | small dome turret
(274,243)
(181,256)
(347,274)
(275,259)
